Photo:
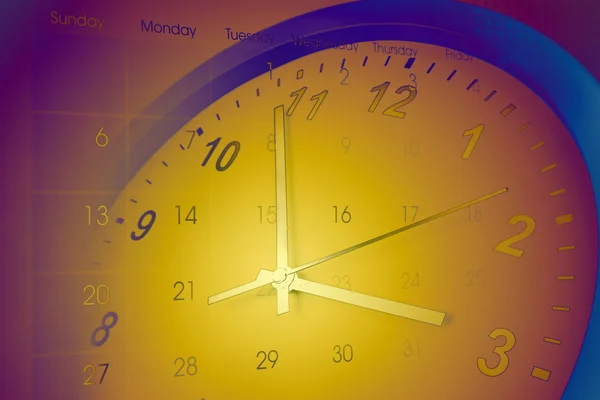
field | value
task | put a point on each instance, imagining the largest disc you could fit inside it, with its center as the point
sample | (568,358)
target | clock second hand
(397,231)
(266,277)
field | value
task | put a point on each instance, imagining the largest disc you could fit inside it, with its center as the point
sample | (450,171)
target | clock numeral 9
(342,282)
(407,214)
(475,213)
(187,368)
(102,219)
(392,110)
(144,227)
(501,351)
(506,245)
(101,138)
(475,277)
(190,217)
(89,381)
(344,216)
(191,290)
(272,357)
(269,212)
(409,280)
(101,294)
(345,354)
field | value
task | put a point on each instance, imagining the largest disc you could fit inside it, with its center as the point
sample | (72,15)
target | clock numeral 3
(501,351)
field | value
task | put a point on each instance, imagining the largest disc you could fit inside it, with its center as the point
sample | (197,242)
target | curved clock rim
(517,49)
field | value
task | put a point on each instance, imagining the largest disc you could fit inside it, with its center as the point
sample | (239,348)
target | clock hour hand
(374,303)
(264,277)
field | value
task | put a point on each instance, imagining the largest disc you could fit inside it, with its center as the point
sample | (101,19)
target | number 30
(501,351)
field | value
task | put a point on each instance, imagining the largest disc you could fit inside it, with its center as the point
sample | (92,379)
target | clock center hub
(279,275)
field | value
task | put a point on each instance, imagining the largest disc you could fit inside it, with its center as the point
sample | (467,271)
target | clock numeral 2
(506,245)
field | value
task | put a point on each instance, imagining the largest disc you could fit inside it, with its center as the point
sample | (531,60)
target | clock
(388,203)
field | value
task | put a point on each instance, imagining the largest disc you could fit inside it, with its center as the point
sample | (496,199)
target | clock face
(494,244)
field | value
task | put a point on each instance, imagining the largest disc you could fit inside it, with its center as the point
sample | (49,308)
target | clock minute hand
(397,231)
(283,296)
(374,303)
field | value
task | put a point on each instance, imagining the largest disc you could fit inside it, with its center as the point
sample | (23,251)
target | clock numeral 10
(345,353)
(91,368)
(344,216)
(219,164)
(272,356)
(190,217)
(182,289)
